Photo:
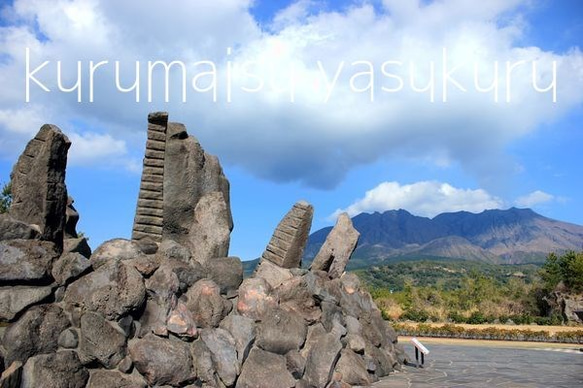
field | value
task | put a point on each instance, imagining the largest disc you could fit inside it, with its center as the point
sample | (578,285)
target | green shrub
(416,315)
(456,317)
(477,318)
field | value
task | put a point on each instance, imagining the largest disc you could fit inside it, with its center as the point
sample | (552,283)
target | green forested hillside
(446,274)
(472,292)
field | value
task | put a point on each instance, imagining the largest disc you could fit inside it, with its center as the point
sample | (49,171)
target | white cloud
(535,198)
(101,150)
(426,198)
(309,140)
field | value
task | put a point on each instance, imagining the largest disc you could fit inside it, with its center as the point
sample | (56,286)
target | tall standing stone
(184,195)
(189,175)
(338,247)
(38,183)
(149,213)
(287,244)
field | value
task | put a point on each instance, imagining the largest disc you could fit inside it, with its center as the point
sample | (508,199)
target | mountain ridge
(509,236)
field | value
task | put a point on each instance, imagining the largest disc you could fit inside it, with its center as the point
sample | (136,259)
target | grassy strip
(488,333)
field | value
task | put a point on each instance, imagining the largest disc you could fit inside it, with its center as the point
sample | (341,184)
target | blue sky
(353,147)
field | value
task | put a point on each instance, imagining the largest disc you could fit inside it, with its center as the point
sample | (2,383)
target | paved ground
(492,365)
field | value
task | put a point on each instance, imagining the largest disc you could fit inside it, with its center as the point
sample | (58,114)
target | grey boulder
(221,345)
(101,341)
(114,290)
(11,229)
(15,299)
(209,234)
(69,267)
(206,303)
(36,331)
(322,359)
(162,361)
(243,330)
(265,370)
(26,260)
(55,370)
(115,250)
(227,273)
(255,298)
(113,379)
(281,331)
(352,368)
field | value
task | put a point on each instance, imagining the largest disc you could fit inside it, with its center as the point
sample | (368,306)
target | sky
(360,106)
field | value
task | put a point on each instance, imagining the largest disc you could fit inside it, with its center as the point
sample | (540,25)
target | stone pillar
(148,221)
(38,183)
(338,247)
(287,244)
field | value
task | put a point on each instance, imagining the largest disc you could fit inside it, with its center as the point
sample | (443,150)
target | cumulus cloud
(100,150)
(426,198)
(320,111)
(535,198)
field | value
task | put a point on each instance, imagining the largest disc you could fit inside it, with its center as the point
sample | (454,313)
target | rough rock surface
(189,174)
(100,341)
(162,361)
(287,244)
(272,273)
(255,298)
(221,346)
(69,266)
(114,290)
(39,194)
(10,378)
(71,219)
(281,332)
(15,299)
(207,304)
(79,245)
(117,249)
(55,370)
(265,370)
(35,332)
(338,247)
(170,308)
(227,273)
(181,321)
(11,229)
(111,378)
(26,260)
(209,234)
(352,368)
(321,359)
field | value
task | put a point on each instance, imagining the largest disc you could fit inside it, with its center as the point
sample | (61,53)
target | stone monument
(170,307)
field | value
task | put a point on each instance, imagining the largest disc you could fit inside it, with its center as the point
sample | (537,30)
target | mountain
(509,236)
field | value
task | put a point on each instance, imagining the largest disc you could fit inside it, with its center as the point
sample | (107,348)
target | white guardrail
(419,348)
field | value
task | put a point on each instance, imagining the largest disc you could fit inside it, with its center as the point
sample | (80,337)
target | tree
(572,269)
(6,197)
(551,272)
(567,268)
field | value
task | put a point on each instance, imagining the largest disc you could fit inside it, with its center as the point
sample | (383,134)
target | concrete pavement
(492,365)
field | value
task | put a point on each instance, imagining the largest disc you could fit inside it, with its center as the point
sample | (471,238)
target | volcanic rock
(39,194)
(289,239)
(338,247)
(162,361)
